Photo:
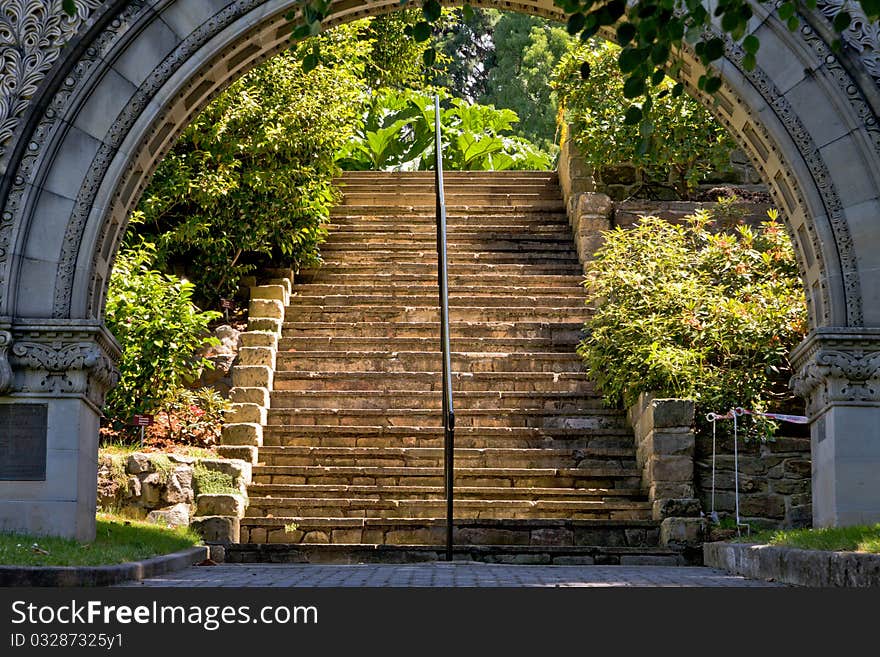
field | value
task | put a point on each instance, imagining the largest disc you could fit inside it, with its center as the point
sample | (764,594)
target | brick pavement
(467,574)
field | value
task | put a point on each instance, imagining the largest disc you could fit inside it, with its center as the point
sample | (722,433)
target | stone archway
(82,130)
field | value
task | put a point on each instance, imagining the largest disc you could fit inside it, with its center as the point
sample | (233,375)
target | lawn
(118,540)
(837,539)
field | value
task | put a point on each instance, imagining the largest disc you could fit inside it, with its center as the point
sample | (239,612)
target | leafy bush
(160,330)
(397,132)
(678,138)
(190,417)
(686,311)
(249,181)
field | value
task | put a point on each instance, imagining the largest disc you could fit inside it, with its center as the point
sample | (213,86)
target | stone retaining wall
(793,566)
(774,480)
(166,488)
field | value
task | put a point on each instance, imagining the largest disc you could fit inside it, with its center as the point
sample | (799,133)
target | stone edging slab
(815,568)
(100,575)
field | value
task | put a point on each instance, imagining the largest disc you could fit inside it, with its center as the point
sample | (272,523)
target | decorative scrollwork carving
(861,35)
(5,370)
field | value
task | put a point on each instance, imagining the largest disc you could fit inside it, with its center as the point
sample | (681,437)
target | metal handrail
(443,284)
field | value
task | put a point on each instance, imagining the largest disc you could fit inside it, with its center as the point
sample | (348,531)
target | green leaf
(793,23)
(630,59)
(429,57)
(467,12)
(633,115)
(714,49)
(69,7)
(786,10)
(644,146)
(585,71)
(646,128)
(678,89)
(310,62)
(842,21)
(751,44)
(431,10)
(658,76)
(422,31)
(749,62)
(625,33)
(634,86)
(576,23)
(712,85)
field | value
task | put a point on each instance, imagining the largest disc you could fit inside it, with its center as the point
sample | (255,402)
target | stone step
(345,343)
(429,279)
(432,457)
(426,361)
(456,256)
(426,287)
(466,222)
(473,437)
(372,271)
(573,300)
(633,534)
(360,417)
(507,554)
(479,196)
(557,332)
(593,477)
(260,507)
(402,185)
(461,205)
(407,314)
(438,492)
(403,398)
(527,245)
(372,230)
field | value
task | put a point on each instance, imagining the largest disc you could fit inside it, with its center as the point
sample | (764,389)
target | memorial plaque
(23,430)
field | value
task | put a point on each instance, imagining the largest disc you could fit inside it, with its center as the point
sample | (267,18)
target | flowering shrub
(688,311)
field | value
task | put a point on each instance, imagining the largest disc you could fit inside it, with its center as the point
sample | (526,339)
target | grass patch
(837,539)
(118,540)
(125,449)
(206,481)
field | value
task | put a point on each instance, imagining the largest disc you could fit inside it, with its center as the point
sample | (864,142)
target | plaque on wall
(23,430)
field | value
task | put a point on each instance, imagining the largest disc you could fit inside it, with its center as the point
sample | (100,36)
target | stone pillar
(53,378)
(838,373)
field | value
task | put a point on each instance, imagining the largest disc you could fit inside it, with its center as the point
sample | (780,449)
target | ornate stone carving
(32,34)
(837,366)
(5,370)
(63,361)
(862,36)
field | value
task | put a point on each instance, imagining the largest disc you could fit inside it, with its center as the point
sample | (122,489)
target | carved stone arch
(82,130)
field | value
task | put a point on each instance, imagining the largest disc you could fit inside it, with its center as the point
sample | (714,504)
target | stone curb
(815,568)
(100,575)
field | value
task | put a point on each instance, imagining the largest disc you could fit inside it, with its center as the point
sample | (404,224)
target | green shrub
(207,481)
(686,311)
(160,330)
(680,138)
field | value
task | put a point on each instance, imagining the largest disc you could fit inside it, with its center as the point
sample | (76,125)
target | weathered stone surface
(252,376)
(152,489)
(138,463)
(265,308)
(217,504)
(669,413)
(244,433)
(259,339)
(217,529)
(247,454)
(239,470)
(178,487)
(173,516)
(552,537)
(246,414)
(259,396)
(270,292)
(671,508)
(264,356)
(682,531)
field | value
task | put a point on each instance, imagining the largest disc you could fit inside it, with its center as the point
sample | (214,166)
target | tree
(527,50)
(250,180)
(468,48)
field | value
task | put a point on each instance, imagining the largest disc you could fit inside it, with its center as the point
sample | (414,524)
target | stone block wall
(254,371)
(774,480)
(166,488)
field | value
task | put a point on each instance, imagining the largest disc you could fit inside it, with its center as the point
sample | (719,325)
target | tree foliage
(160,331)
(527,50)
(677,135)
(397,133)
(687,311)
(249,181)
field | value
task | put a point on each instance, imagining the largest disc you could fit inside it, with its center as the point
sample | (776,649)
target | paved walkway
(445,575)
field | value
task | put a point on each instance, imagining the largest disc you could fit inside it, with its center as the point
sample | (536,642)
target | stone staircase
(350,468)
